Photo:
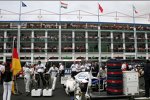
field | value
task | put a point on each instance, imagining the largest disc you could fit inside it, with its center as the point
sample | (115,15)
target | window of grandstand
(80,36)
(4,25)
(52,36)
(39,36)
(1,35)
(106,57)
(129,37)
(52,47)
(141,57)
(1,47)
(66,47)
(130,57)
(105,37)
(53,57)
(39,47)
(66,36)
(119,57)
(1,58)
(117,37)
(10,35)
(8,47)
(25,47)
(118,47)
(80,57)
(148,37)
(106,47)
(66,57)
(39,58)
(25,58)
(148,48)
(93,47)
(80,47)
(129,47)
(25,36)
(140,37)
(141,47)
(92,36)
(92,57)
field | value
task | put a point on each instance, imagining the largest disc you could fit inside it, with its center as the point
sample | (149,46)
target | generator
(130,83)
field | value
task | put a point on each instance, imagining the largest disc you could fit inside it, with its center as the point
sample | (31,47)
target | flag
(100,8)
(23,4)
(134,9)
(16,65)
(63,5)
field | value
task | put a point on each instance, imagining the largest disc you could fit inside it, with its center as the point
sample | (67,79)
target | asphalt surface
(58,94)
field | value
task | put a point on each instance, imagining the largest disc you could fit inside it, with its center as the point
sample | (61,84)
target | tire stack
(114,77)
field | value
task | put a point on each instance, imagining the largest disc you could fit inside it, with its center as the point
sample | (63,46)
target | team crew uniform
(27,78)
(53,71)
(40,69)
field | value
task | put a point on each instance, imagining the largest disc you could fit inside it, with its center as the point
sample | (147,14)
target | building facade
(75,40)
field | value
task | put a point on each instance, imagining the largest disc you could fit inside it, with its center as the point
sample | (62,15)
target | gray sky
(125,7)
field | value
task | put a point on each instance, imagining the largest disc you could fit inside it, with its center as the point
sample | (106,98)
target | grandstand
(42,40)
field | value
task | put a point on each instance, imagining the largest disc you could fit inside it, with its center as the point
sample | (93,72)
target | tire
(114,70)
(114,78)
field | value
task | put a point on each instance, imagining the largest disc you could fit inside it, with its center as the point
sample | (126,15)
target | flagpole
(134,29)
(15,85)
(59,31)
(60,11)
(19,30)
(99,41)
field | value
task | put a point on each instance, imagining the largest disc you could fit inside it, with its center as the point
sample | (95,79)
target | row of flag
(65,6)
(16,65)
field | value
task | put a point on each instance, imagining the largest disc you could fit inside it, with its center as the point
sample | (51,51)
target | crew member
(40,69)
(27,78)
(61,69)
(73,69)
(53,72)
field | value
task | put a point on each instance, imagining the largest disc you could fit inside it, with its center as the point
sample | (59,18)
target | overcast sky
(122,9)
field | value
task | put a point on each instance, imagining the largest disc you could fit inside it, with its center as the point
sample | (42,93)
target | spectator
(61,69)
